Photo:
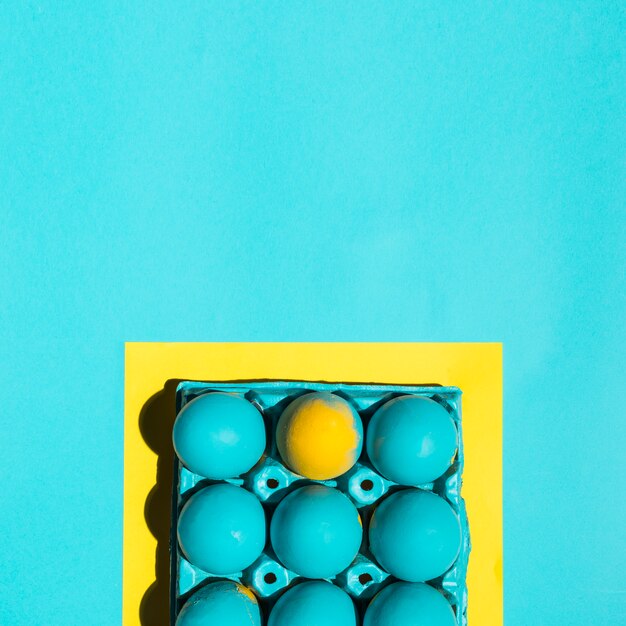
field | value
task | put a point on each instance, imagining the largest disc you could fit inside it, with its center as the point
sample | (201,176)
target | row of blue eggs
(316,532)
(317,603)
(410,440)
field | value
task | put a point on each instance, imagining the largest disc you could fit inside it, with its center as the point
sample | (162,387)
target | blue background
(312,171)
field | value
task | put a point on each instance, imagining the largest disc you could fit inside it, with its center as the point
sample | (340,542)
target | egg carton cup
(270,480)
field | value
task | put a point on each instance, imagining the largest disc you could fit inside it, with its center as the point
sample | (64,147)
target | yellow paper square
(154,369)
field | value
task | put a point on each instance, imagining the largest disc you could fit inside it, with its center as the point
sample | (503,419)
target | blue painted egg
(221,529)
(219,435)
(316,531)
(315,603)
(409,604)
(224,603)
(415,535)
(411,440)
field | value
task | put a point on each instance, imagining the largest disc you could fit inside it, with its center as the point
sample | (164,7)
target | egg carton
(270,480)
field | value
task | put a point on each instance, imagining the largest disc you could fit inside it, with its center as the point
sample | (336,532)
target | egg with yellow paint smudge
(221,603)
(319,435)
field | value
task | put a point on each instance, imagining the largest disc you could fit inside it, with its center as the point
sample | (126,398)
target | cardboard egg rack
(271,481)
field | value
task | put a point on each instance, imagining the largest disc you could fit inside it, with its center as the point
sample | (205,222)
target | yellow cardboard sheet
(154,369)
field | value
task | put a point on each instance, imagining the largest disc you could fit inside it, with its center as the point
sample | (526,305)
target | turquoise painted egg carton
(270,480)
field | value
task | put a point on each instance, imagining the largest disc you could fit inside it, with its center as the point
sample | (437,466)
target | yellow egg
(319,436)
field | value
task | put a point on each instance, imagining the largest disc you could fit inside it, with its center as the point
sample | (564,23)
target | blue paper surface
(312,171)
